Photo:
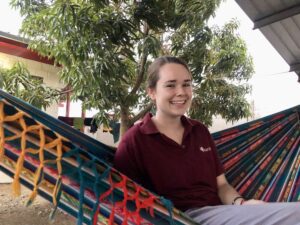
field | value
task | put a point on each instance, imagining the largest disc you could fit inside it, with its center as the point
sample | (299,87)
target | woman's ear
(151,93)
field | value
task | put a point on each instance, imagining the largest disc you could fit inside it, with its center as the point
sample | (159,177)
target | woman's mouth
(178,102)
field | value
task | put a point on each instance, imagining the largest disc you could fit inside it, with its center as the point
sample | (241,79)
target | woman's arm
(229,196)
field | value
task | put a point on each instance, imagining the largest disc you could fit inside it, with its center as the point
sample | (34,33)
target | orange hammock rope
(85,184)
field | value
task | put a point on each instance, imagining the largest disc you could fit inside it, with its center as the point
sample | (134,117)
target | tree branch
(140,75)
(141,113)
(141,71)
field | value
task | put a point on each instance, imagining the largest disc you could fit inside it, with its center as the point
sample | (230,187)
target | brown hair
(153,70)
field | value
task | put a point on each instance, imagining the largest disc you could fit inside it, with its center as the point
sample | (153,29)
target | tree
(20,83)
(106,46)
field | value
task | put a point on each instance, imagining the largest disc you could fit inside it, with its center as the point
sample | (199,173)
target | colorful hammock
(75,171)
(262,157)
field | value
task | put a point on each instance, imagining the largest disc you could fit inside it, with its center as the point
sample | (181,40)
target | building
(14,49)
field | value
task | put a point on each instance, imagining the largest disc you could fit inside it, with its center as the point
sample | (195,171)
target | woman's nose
(180,90)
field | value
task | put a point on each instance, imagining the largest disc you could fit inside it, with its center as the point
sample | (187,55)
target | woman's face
(173,91)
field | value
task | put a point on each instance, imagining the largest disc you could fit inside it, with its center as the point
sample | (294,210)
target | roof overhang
(279,21)
(16,46)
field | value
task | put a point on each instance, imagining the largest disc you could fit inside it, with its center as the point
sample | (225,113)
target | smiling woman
(175,157)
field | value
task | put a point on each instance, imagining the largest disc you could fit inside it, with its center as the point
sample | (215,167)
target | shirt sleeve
(219,166)
(125,161)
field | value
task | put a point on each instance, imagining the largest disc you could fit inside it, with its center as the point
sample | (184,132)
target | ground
(13,211)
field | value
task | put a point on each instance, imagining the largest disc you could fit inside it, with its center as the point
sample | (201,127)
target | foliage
(20,83)
(222,89)
(105,47)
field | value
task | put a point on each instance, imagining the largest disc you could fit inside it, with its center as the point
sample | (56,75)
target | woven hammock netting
(75,172)
(262,157)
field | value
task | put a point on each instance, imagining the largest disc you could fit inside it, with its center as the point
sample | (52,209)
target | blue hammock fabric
(75,171)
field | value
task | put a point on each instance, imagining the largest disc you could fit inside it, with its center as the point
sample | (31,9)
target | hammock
(262,157)
(75,171)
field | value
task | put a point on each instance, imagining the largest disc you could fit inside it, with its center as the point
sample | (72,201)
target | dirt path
(13,211)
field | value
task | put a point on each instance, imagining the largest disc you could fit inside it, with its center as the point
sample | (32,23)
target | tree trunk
(125,120)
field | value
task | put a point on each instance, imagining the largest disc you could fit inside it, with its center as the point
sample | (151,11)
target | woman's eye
(170,85)
(186,85)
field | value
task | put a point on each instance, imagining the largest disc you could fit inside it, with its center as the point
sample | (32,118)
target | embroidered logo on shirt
(202,149)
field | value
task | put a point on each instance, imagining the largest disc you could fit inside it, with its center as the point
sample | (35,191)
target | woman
(175,156)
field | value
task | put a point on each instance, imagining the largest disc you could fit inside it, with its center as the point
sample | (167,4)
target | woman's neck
(166,122)
(170,127)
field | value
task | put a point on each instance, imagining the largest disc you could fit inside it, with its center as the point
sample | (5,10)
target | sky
(273,87)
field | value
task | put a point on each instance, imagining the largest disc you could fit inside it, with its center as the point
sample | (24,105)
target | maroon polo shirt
(185,174)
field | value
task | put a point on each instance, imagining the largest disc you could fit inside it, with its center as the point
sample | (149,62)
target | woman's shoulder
(132,141)
(197,123)
(132,132)
(198,127)
(142,127)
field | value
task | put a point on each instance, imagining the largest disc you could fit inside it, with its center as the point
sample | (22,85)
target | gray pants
(265,214)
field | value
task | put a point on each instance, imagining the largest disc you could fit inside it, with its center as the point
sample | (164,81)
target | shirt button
(183,146)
